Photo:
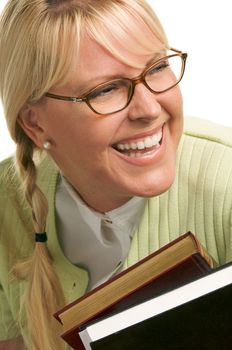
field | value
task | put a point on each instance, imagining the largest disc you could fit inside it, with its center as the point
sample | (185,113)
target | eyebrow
(104,78)
(156,56)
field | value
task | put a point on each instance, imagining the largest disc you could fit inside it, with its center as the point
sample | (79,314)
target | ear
(29,121)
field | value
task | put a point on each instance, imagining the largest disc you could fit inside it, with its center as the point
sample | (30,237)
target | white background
(203,29)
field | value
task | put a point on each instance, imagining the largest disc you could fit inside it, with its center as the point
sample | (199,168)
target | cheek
(74,133)
(173,105)
(173,102)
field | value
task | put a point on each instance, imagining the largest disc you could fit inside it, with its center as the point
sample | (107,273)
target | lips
(141,146)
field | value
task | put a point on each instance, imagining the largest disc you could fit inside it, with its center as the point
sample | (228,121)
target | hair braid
(44,294)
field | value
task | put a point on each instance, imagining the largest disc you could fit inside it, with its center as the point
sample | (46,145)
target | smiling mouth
(142,147)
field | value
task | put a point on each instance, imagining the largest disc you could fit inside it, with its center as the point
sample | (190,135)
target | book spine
(73,338)
(202,250)
(203,264)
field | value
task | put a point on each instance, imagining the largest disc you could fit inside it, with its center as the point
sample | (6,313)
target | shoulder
(9,179)
(203,181)
(10,182)
(16,224)
(206,149)
(199,199)
(15,213)
(202,129)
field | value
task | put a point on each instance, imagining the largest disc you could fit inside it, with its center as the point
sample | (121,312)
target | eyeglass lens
(113,96)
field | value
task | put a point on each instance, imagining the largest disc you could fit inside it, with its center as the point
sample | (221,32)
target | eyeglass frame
(133,81)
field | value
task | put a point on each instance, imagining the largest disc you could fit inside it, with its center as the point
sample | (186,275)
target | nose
(144,104)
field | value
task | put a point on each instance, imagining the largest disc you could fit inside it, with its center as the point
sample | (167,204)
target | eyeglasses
(115,95)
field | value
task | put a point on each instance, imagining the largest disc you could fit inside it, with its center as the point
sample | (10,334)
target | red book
(175,264)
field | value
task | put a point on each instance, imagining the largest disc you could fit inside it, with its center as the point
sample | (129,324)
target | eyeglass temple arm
(175,50)
(64,98)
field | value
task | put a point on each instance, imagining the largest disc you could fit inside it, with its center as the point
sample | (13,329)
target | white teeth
(141,154)
(138,155)
(133,145)
(140,145)
(147,142)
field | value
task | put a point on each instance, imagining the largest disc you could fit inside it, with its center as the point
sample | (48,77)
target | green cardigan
(200,200)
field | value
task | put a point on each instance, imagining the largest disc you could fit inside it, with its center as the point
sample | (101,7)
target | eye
(106,90)
(159,67)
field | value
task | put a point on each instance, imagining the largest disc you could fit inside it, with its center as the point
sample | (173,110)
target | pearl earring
(47,145)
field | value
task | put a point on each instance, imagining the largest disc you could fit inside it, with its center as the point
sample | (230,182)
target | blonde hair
(36,54)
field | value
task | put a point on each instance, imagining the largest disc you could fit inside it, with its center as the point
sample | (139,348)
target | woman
(90,84)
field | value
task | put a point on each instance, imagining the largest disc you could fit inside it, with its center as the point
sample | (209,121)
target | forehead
(95,61)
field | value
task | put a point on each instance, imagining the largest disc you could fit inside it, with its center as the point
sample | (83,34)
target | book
(176,263)
(194,316)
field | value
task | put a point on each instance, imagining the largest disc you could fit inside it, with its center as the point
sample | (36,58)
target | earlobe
(29,122)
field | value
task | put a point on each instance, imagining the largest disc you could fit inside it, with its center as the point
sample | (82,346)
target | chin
(157,185)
